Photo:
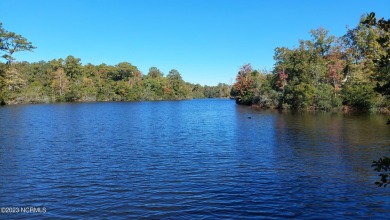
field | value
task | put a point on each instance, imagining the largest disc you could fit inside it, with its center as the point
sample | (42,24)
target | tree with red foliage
(243,89)
(335,66)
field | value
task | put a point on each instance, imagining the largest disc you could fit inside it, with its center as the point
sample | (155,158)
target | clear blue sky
(205,40)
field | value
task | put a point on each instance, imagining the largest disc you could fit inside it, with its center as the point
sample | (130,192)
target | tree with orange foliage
(243,89)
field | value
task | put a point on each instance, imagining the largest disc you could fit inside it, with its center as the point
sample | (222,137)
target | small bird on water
(249,117)
(388,122)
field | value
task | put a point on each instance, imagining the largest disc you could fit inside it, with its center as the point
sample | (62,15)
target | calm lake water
(198,159)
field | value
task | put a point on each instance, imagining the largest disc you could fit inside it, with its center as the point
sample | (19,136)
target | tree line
(350,72)
(68,80)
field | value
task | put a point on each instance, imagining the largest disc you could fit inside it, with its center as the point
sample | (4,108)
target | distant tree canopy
(69,80)
(325,72)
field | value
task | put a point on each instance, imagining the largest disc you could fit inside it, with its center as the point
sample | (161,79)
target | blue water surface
(196,159)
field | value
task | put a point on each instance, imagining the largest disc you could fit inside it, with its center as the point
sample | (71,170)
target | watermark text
(22,209)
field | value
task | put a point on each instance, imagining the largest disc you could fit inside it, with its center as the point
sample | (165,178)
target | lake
(196,159)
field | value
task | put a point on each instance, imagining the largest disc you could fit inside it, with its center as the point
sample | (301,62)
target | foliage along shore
(350,73)
(68,80)
(327,73)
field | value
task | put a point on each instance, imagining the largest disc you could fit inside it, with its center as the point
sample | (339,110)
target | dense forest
(68,80)
(327,73)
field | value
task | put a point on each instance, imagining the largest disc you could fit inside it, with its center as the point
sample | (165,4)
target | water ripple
(200,159)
